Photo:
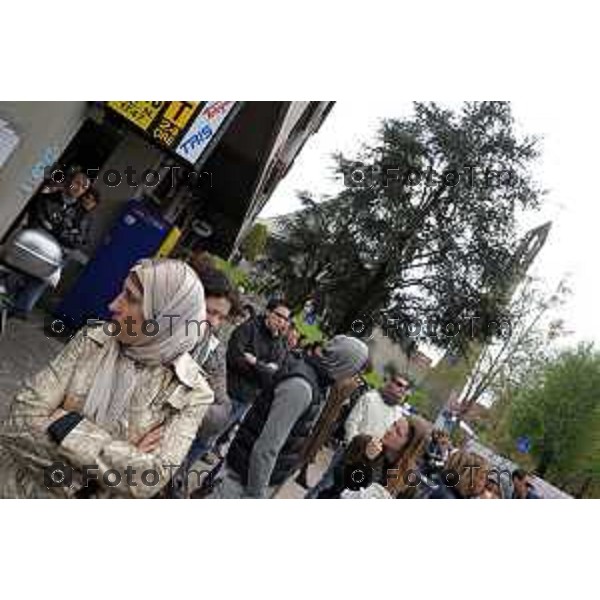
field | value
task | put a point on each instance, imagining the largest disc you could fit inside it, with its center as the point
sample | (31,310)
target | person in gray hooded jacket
(221,301)
(269,445)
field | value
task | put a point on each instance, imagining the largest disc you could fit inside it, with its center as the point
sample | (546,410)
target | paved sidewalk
(24,350)
(291,490)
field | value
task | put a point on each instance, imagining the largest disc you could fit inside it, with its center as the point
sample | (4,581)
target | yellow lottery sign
(140,112)
(173,120)
(184,127)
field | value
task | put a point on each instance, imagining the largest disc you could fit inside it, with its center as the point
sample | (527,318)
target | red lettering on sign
(216,109)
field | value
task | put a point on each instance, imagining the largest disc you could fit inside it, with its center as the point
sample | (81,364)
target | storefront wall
(135,155)
(287,145)
(44,130)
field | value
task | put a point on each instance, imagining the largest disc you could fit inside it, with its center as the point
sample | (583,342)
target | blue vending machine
(136,234)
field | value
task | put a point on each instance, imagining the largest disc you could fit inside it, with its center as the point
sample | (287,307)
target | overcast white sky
(566,169)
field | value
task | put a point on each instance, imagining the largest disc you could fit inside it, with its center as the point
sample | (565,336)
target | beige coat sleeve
(120,466)
(44,392)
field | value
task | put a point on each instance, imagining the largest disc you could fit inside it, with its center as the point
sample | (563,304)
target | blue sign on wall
(523,444)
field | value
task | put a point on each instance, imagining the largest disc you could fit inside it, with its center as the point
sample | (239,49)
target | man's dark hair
(276,303)
(312,347)
(519,474)
(250,310)
(216,284)
(401,375)
(74,172)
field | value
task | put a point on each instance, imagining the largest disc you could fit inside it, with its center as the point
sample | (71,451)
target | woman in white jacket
(373,414)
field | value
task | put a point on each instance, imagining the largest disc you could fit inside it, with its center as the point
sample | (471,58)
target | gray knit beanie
(344,356)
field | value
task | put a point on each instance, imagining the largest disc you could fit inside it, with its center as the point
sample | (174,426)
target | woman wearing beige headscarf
(120,405)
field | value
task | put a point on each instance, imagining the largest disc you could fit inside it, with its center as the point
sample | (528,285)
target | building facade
(204,168)
(233,177)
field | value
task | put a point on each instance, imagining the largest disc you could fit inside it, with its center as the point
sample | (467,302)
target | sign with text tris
(185,127)
(206,125)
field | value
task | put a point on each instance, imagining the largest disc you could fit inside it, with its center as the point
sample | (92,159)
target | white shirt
(371,416)
(374,492)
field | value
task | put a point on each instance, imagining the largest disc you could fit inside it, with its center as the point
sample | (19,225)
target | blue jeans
(238,411)
(201,446)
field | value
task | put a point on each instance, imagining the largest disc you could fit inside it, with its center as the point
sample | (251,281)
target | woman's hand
(250,358)
(72,403)
(43,424)
(151,440)
(59,413)
(374,449)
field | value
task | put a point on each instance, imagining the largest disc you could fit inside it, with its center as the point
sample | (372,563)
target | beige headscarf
(174,297)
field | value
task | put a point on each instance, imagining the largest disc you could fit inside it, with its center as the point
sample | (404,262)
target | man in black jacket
(255,351)
(59,209)
(65,213)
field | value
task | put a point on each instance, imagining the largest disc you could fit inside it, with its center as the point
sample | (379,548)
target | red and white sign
(203,129)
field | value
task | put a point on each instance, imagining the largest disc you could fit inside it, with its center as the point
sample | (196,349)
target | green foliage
(421,401)
(374,379)
(390,369)
(560,413)
(526,346)
(255,242)
(458,437)
(238,277)
(312,333)
(420,248)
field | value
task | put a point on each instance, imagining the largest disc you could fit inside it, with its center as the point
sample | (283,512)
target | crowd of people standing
(258,408)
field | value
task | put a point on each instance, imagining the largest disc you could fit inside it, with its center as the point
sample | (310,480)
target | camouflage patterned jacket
(175,397)
(215,367)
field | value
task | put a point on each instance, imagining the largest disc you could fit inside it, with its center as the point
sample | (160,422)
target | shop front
(173,177)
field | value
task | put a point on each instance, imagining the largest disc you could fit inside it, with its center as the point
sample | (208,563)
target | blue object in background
(310,318)
(523,445)
(136,234)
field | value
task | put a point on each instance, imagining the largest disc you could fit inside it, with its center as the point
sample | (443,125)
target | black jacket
(531,494)
(67,222)
(291,455)
(245,381)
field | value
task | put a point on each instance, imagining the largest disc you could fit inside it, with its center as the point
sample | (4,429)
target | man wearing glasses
(256,350)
